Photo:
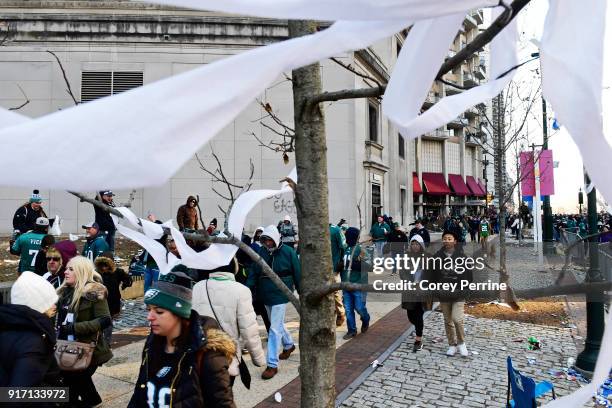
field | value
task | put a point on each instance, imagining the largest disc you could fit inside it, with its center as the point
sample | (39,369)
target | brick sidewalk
(353,357)
(431,379)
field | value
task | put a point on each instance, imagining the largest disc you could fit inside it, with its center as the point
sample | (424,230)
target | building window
(98,84)
(401,146)
(372,121)
(376,202)
(402,203)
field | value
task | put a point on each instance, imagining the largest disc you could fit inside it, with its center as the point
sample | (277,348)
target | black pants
(81,385)
(260,309)
(415,315)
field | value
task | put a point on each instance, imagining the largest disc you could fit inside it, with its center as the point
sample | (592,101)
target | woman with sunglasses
(82,316)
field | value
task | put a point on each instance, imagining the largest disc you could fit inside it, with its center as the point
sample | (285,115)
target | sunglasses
(53,258)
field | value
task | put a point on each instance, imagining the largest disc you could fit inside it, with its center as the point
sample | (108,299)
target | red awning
(474,186)
(435,184)
(483,187)
(458,185)
(416,186)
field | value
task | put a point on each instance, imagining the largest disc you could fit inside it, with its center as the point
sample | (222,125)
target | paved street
(431,379)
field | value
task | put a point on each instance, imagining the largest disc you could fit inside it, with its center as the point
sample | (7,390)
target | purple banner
(547,178)
(527,176)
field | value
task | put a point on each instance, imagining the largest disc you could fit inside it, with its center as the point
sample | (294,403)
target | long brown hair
(159,343)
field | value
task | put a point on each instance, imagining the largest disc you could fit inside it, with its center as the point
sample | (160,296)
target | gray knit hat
(172,292)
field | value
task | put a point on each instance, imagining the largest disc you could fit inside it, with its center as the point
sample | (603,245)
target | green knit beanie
(172,292)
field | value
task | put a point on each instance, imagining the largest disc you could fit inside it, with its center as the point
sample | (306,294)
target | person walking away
(473,224)
(397,241)
(354,301)
(40,261)
(415,308)
(54,274)
(187,215)
(258,306)
(184,364)
(27,337)
(451,303)
(82,316)
(27,245)
(95,243)
(230,303)
(25,217)
(484,228)
(288,232)
(338,246)
(113,279)
(104,220)
(283,261)
(379,232)
(419,228)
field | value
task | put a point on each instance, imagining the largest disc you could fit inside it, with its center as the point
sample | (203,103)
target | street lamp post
(547,228)
(585,362)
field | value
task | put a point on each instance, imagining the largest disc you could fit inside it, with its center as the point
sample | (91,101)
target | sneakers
(451,351)
(349,335)
(365,326)
(269,372)
(463,350)
(286,353)
(418,345)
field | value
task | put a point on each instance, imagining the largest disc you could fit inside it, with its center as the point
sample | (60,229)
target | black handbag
(245,374)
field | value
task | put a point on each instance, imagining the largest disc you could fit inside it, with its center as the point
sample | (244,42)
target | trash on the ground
(534,343)
(531,360)
(475,353)
(375,364)
(278,397)
(73,237)
(517,340)
(571,326)
(503,348)
(436,340)
(131,303)
(556,373)
(570,362)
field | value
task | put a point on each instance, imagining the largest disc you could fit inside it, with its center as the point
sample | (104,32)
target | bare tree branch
(27,100)
(68,87)
(202,236)
(350,68)
(477,43)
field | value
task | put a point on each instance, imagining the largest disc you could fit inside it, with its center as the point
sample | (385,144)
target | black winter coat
(25,218)
(104,219)
(203,379)
(27,339)
(439,274)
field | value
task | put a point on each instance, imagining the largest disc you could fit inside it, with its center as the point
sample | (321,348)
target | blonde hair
(54,252)
(84,273)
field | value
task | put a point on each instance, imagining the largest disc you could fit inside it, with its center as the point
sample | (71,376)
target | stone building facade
(110,46)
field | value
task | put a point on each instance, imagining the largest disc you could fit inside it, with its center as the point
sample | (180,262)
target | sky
(569,175)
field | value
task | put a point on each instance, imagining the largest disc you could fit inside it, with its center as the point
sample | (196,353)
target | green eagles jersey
(94,248)
(484,228)
(28,245)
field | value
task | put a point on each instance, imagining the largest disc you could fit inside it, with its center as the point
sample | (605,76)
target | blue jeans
(355,302)
(379,245)
(150,277)
(278,334)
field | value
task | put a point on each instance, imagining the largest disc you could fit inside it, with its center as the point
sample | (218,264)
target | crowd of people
(203,321)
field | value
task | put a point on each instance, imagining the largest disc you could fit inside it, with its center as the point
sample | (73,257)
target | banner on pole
(527,175)
(547,179)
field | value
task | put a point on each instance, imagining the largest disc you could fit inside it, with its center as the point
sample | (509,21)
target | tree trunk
(500,182)
(317,322)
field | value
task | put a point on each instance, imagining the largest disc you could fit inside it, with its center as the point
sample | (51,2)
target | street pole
(537,216)
(585,362)
(547,231)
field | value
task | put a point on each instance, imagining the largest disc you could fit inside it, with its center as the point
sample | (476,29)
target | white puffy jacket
(234,308)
